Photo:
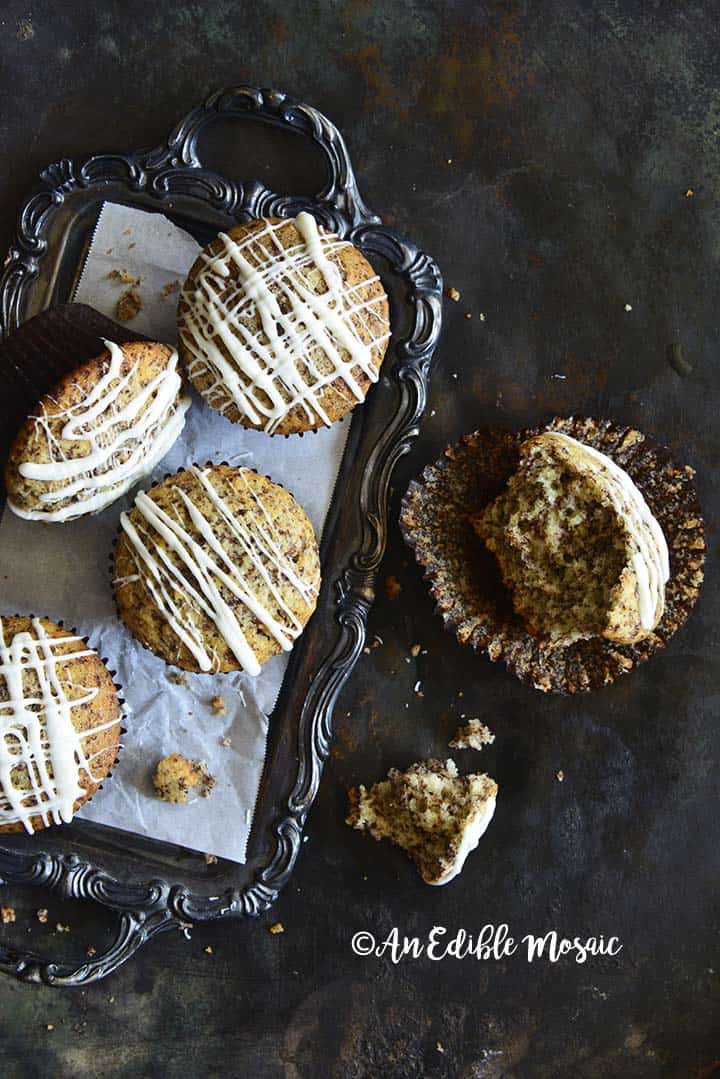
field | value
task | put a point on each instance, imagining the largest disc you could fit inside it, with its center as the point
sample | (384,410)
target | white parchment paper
(63,571)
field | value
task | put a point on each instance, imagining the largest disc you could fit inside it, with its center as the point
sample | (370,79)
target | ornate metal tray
(155,886)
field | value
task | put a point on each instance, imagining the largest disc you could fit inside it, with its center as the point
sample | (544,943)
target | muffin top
(216,569)
(59,723)
(282,325)
(97,433)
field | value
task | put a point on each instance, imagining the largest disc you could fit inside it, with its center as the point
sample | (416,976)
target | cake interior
(561,549)
(430,811)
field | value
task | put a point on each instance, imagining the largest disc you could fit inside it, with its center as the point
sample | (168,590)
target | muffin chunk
(435,815)
(282,325)
(577,545)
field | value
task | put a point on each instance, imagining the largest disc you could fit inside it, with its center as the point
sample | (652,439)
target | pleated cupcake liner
(464,578)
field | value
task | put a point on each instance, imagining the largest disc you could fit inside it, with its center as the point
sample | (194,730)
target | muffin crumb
(175,777)
(278,927)
(7,915)
(123,277)
(218,705)
(560,776)
(42,915)
(167,290)
(393,588)
(473,735)
(211,859)
(453,294)
(129,305)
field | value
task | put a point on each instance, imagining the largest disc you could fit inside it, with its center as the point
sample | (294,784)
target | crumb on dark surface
(453,294)
(7,915)
(276,927)
(393,588)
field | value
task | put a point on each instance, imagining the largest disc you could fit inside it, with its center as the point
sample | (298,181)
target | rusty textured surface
(561,162)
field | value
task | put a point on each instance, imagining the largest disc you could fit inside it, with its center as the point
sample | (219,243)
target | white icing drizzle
(265,376)
(650,558)
(125,442)
(36,728)
(203,567)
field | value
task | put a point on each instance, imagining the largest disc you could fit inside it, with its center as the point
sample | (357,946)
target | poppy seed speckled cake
(216,569)
(282,325)
(100,430)
(60,723)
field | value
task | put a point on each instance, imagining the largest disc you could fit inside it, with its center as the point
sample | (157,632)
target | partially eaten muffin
(434,814)
(577,545)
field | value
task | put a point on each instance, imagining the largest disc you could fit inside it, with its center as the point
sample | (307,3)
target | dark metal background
(575,131)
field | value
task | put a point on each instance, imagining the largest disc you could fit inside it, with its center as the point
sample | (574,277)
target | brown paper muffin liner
(465,579)
(38,823)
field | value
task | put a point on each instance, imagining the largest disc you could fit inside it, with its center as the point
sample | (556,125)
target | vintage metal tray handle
(273,108)
(71,878)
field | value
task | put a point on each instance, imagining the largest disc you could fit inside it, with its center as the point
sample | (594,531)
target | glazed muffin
(577,545)
(439,520)
(101,429)
(282,325)
(436,816)
(216,569)
(59,723)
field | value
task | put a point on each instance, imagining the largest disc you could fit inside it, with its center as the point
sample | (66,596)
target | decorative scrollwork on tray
(175,168)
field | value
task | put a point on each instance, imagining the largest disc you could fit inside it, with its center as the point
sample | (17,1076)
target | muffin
(577,545)
(282,325)
(436,816)
(216,569)
(59,723)
(440,515)
(98,432)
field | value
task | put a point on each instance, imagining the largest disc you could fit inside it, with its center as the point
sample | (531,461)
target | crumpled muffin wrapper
(464,578)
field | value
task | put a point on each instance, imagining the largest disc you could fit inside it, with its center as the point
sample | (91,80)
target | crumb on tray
(211,859)
(218,705)
(175,777)
(167,290)
(276,928)
(123,277)
(7,915)
(129,305)
(453,294)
